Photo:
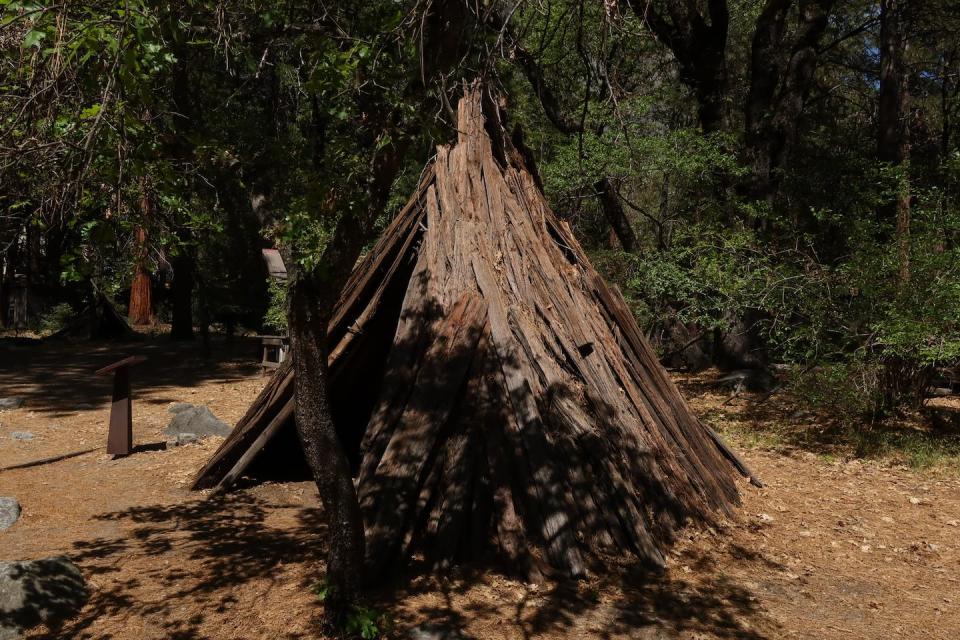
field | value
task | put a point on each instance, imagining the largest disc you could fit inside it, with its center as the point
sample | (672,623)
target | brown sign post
(120,437)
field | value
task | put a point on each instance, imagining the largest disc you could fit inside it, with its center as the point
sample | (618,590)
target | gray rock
(196,420)
(9,512)
(21,435)
(436,632)
(9,632)
(13,402)
(177,407)
(757,380)
(46,591)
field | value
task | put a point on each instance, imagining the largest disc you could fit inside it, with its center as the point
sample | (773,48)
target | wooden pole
(120,435)
(120,439)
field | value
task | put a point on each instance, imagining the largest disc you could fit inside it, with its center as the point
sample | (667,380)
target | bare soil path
(831,548)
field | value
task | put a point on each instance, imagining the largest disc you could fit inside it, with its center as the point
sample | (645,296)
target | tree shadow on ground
(57,377)
(189,557)
(179,568)
(635,601)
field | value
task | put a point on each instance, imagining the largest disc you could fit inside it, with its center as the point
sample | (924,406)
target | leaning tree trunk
(308,316)
(615,215)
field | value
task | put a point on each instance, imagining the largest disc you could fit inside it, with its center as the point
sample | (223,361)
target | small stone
(186,438)
(887,519)
(436,632)
(23,436)
(13,402)
(914,500)
(766,517)
(9,512)
(953,523)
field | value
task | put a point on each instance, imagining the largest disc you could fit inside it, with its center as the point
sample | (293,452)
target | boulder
(9,512)
(195,420)
(47,591)
(177,407)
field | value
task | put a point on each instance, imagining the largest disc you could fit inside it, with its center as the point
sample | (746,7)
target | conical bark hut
(495,394)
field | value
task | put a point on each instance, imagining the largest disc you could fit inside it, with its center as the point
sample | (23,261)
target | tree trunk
(141,299)
(312,297)
(141,303)
(182,296)
(780,82)
(33,295)
(947,100)
(6,280)
(698,41)
(893,136)
(616,216)
(710,86)
(310,306)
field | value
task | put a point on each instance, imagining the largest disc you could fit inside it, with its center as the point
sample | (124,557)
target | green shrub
(359,621)
(56,318)
(849,389)
(276,316)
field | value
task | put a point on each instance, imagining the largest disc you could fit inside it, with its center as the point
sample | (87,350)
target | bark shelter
(494,395)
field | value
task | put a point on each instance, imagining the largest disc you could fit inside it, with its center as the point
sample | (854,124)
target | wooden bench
(275,349)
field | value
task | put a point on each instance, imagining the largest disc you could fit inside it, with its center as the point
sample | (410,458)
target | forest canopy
(768,182)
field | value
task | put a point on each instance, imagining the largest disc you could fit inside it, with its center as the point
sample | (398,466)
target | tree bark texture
(309,308)
(140,311)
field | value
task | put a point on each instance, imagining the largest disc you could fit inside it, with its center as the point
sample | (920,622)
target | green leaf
(33,38)
(91,111)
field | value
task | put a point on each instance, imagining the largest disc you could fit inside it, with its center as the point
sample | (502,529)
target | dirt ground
(832,547)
